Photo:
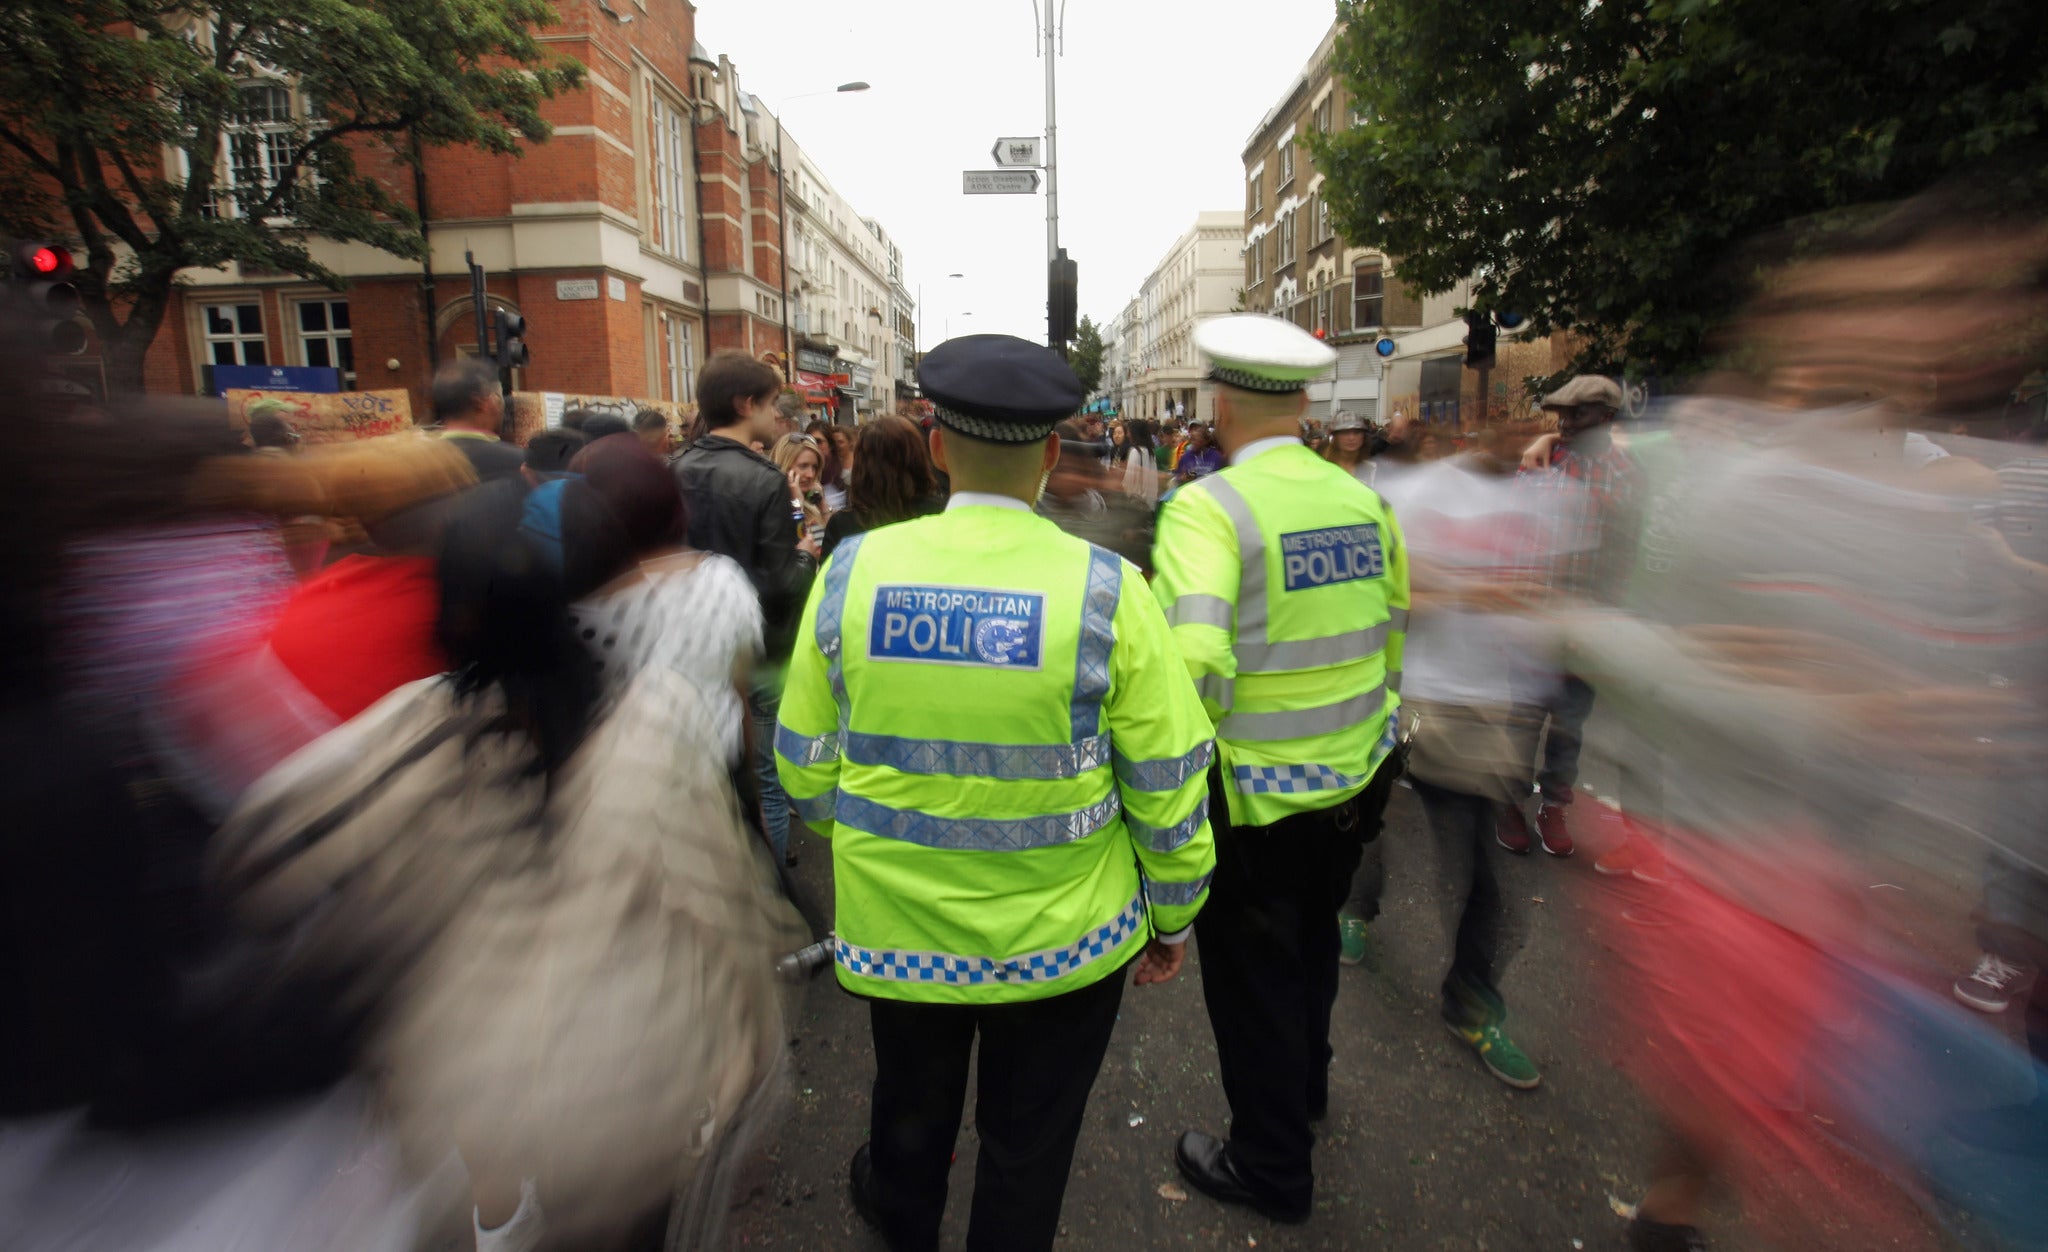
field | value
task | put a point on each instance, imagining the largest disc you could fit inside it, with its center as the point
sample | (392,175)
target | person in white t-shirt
(1475,546)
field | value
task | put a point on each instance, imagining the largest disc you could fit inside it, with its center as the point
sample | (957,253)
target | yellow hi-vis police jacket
(988,719)
(1286,582)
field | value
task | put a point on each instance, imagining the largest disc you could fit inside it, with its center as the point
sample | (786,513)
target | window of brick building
(668,179)
(325,340)
(1368,296)
(680,357)
(1256,181)
(234,334)
(1287,162)
(1255,262)
(1322,119)
(1287,238)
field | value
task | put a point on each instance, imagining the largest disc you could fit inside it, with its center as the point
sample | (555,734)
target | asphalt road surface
(1422,1148)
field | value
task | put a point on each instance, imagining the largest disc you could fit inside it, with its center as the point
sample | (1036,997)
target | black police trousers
(1268,945)
(1038,1062)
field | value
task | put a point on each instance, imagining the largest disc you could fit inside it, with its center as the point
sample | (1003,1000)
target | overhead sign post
(1017,153)
(999,182)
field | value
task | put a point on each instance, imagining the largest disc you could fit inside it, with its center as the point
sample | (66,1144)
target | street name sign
(998,182)
(1017,152)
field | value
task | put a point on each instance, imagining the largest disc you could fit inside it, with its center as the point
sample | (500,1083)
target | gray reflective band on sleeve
(1394,681)
(1273,658)
(978,834)
(1251,556)
(814,809)
(1397,619)
(804,751)
(1032,761)
(1172,893)
(1304,723)
(1217,688)
(1098,637)
(1167,838)
(1200,610)
(1167,773)
(831,612)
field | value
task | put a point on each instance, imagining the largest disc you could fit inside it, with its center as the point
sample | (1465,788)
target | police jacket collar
(985,499)
(1259,447)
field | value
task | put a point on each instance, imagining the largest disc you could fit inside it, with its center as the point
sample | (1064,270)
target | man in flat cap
(1285,580)
(987,718)
(1602,484)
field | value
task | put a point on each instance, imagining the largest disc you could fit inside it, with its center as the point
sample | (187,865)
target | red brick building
(648,217)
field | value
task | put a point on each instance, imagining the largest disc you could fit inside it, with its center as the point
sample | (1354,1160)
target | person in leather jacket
(739,507)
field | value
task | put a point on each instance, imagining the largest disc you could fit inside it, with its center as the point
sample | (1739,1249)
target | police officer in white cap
(1286,583)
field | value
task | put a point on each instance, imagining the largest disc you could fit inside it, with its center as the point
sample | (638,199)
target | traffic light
(43,275)
(1062,300)
(511,340)
(1479,336)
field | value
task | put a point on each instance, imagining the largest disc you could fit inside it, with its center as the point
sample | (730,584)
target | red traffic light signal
(41,261)
(45,261)
(42,275)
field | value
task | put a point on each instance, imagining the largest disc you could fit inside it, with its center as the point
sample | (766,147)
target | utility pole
(1054,336)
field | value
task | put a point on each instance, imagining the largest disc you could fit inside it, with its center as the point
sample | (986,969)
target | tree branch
(282,188)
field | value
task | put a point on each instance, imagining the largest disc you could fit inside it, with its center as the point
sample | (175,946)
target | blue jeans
(1558,771)
(763,704)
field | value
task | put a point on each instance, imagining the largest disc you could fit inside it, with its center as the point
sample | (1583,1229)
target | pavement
(1422,1148)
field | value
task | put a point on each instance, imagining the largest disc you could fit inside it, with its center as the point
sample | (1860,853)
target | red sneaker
(1511,830)
(1550,828)
(1633,858)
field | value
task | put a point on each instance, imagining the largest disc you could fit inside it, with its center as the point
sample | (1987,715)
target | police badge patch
(980,626)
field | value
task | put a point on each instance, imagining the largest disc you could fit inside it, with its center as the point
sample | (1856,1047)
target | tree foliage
(112,114)
(1595,164)
(1086,355)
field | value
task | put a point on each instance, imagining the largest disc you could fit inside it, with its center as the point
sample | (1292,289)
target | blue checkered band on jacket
(1253,382)
(1294,779)
(975,971)
(1290,779)
(994,432)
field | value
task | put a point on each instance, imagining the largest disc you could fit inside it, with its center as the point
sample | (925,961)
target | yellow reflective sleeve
(807,730)
(1195,560)
(1163,746)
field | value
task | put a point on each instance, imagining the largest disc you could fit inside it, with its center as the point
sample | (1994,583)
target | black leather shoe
(860,1177)
(1204,1161)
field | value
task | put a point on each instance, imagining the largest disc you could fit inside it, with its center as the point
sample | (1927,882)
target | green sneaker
(1499,1054)
(1351,931)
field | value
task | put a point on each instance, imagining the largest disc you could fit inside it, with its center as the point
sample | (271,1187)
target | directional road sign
(1017,153)
(998,182)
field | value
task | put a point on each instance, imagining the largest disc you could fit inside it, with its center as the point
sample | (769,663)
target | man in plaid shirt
(1606,486)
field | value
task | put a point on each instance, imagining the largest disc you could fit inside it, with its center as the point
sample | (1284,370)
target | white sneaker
(521,1233)
(1993,985)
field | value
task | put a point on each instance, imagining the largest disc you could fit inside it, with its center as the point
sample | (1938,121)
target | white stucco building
(1197,279)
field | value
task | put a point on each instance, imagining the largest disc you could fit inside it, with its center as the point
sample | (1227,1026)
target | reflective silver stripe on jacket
(1397,619)
(974,971)
(1167,773)
(1170,893)
(1098,637)
(1032,761)
(1167,838)
(979,834)
(831,613)
(1326,719)
(1196,609)
(814,809)
(804,751)
(1217,689)
(1251,556)
(1273,658)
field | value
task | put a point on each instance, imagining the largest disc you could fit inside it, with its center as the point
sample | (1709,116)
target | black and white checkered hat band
(994,432)
(1253,382)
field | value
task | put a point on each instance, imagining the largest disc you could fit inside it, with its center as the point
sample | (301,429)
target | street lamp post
(920,315)
(782,215)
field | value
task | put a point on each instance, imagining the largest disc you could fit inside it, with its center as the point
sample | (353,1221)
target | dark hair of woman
(892,472)
(1139,432)
(512,562)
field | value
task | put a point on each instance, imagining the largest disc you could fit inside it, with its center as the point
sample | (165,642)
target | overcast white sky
(1156,100)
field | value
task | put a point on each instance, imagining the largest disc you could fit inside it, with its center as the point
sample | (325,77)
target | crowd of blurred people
(434,776)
